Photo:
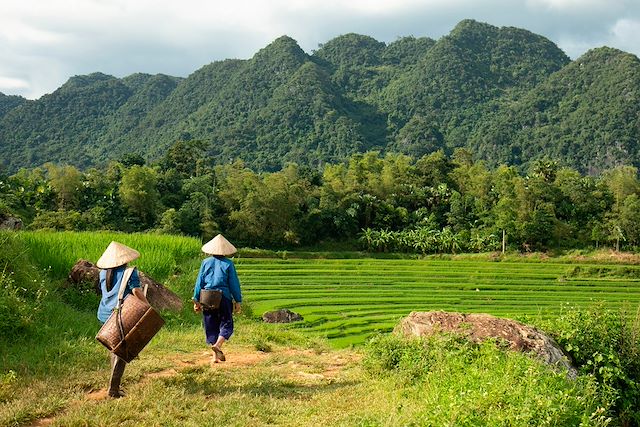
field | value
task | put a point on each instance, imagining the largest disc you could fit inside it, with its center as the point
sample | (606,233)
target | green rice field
(348,300)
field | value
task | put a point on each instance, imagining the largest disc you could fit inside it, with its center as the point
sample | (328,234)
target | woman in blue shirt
(113,263)
(218,273)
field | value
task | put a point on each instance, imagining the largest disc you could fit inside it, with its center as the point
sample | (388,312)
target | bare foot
(219,354)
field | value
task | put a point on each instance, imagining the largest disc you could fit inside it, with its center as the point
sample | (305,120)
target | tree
(139,193)
(622,182)
(630,219)
(67,183)
(185,157)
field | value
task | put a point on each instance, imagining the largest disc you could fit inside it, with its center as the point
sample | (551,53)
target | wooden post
(504,240)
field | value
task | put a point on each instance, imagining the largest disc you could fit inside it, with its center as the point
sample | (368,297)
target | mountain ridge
(479,87)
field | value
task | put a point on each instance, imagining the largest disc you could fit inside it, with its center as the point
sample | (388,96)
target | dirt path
(237,358)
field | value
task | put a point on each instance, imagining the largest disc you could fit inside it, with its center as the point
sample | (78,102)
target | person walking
(113,264)
(217,273)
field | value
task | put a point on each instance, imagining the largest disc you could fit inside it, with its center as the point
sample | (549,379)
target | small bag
(131,325)
(210,298)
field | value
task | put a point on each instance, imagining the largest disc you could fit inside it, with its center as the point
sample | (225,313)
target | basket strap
(123,284)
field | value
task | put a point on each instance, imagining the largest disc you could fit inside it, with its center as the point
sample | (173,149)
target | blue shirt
(109,299)
(218,273)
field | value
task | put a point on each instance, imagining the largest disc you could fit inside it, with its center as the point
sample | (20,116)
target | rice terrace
(349,299)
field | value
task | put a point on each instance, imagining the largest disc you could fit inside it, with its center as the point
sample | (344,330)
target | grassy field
(54,373)
(56,252)
(349,299)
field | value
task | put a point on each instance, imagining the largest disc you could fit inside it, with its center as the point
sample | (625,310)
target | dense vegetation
(507,95)
(374,202)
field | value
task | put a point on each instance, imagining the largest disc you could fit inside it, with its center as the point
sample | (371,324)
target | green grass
(59,251)
(349,299)
(57,361)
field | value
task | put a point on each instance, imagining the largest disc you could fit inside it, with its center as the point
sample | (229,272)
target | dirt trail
(236,358)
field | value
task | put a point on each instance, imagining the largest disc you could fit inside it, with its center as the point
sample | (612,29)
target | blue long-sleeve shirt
(109,299)
(218,273)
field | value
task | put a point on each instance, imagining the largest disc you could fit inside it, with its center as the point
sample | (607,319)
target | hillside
(586,114)
(8,103)
(505,93)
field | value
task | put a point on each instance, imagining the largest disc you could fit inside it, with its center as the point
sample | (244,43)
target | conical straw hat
(116,255)
(219,246)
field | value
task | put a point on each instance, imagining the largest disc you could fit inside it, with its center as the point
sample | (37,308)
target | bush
(58,220)
(450,378)
(15,315)
(605,344)
(82,297)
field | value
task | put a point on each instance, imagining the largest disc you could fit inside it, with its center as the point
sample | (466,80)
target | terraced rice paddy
(347,300)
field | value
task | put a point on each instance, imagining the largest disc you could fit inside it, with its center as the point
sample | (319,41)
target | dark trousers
(219,321)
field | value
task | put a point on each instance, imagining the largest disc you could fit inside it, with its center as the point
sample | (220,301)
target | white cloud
(625,35)
(44,42)
(573,5)
(10,83)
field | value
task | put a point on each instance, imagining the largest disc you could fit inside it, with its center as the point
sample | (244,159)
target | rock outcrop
(281,316)
(10,223)
(159,297)
(480,327)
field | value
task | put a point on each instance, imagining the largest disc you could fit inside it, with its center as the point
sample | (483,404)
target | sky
(45,42)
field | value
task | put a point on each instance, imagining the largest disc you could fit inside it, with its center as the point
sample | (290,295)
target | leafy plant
(606,345)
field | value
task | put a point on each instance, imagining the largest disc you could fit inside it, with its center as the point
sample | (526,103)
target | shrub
(606,345)
(452,379)
(58,220)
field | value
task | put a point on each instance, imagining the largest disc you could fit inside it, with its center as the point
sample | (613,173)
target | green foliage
(139,193)
(81,297)
(506,94)
(583,114)
(22,289)
(427,240)
(8,103)
(606,345)
(474,384)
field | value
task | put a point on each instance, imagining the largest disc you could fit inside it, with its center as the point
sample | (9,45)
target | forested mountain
(505,93)
(8,103)
(587,114)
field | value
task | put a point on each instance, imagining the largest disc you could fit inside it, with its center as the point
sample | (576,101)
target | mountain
(505,93)
(9,102)
(472,65)
(586,114)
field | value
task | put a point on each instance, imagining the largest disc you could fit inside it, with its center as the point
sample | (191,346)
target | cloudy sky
(44,42)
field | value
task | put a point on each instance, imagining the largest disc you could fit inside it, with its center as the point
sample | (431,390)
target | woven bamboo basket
(140,323)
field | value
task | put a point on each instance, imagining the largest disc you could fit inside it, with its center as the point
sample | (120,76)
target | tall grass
(59,251)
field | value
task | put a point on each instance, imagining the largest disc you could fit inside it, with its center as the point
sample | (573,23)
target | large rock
(159,297)
(281,316)
(10,223)
(480,327)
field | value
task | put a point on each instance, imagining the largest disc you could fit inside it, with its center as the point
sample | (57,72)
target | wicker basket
(140,322)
